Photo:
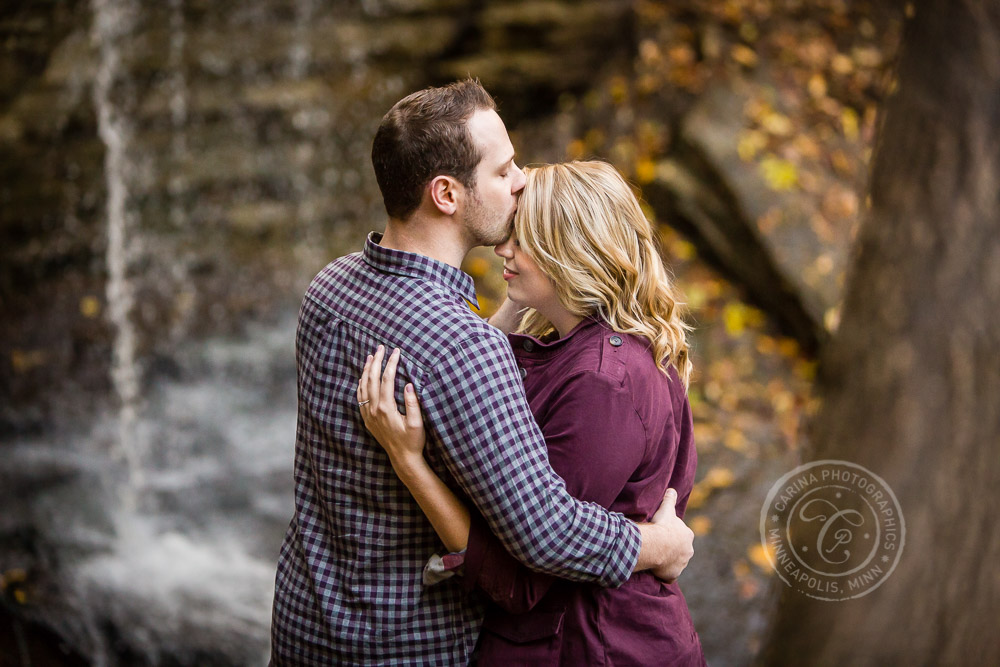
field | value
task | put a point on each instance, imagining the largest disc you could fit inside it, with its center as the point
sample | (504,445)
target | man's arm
(475,406)
(480,424)
(489,567)
(666,541)
(596,442)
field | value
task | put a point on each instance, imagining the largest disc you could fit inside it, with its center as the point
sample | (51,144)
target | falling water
(300,53)
(177,84)
(111,22)
(311,122)
(178,106)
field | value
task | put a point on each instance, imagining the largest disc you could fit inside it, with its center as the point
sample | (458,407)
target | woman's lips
(508,274)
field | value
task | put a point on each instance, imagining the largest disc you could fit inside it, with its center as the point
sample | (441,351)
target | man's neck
(425,237)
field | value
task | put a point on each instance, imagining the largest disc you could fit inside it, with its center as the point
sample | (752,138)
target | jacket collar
(547,347)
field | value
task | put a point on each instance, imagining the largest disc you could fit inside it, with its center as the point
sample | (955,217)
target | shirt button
(523,371)
(528,345)
(616,341)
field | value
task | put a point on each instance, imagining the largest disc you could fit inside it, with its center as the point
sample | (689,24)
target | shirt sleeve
(476,411)
(596,441)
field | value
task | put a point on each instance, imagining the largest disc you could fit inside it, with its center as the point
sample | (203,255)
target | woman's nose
(505,249)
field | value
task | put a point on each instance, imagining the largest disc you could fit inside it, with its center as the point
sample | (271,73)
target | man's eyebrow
(508,161)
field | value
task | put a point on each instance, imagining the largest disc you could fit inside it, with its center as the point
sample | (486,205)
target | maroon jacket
(618,432)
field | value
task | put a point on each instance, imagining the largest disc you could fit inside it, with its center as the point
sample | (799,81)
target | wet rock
(762,238)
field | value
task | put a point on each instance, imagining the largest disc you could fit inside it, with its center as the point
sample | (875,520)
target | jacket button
(616,341)
(528,345)
(523,371)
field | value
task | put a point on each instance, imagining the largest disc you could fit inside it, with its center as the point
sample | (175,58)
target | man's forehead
(490,135)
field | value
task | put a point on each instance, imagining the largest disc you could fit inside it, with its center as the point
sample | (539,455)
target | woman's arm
(403,437)
(507,317)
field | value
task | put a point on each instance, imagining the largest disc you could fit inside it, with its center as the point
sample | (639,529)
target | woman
(604,358)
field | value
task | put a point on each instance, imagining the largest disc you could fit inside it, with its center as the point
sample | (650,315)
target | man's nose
(519,180)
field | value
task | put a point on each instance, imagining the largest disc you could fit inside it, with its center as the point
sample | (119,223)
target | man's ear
(445,192)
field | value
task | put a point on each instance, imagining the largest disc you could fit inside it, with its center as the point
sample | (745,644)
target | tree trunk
(912,379)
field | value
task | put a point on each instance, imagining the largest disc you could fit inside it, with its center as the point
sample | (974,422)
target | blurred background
(174,173)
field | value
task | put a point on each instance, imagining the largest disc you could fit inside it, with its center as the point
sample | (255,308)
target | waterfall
(112,20)
(178,106)
(299,54)
(177,85)
(310,122)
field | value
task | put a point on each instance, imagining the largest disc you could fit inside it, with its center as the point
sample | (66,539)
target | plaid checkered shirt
(348,588)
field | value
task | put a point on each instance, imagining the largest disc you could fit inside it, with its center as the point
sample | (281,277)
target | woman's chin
(518,303)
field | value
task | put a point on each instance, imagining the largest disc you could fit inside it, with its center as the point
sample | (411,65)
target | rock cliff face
(171,168)
(173,173)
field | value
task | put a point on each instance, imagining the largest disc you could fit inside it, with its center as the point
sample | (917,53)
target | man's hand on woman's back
(667,542)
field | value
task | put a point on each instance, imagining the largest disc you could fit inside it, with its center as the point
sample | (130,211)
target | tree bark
(911,381)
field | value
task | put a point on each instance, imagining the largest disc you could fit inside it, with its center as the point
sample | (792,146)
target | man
(348,587)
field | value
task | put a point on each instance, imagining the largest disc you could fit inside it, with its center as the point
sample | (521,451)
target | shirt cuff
(438,568)
(629,543)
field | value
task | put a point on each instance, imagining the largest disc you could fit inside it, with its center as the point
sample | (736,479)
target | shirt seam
(446,351)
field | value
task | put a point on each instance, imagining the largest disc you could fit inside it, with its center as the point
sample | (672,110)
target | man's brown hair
(425,135)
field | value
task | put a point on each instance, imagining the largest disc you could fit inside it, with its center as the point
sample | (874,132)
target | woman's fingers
(363,381)
(377,389)
(374,383)
(414,418)
(388,396)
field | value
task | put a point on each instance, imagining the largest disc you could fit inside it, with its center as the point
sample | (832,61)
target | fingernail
(380,348)
(409,389)
(396,351)
(370,357)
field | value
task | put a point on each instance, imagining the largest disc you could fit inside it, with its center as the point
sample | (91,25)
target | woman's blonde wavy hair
(582,223)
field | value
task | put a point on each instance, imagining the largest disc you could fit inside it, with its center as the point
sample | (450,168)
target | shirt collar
(417,266)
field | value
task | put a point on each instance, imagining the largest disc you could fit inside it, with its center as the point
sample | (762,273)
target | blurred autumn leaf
(90,306)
